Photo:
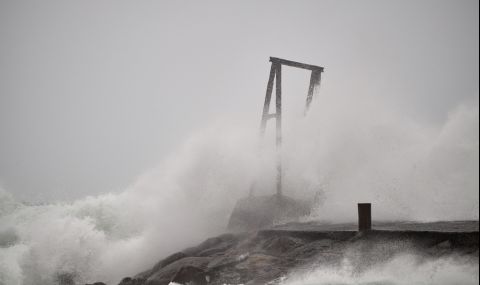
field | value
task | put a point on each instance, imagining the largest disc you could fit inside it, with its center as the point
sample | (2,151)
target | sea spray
(404,269)
(407,169)
(183,201)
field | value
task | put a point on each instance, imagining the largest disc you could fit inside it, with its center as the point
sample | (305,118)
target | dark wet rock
(97,283)
(282,244)
(166,274)
(265,256)
(191,275)
(132,281)
(161,264)
(445,244)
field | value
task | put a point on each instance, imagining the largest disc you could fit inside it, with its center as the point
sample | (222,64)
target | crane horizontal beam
(296,64)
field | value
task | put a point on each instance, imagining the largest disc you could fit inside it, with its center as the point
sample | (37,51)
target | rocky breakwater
(267,256)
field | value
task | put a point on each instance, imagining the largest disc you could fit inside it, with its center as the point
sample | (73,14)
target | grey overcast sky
(93,93)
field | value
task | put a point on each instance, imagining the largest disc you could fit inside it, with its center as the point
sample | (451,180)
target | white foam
(401,270)
(406,169)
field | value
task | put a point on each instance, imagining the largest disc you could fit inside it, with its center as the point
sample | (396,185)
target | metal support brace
(276,75)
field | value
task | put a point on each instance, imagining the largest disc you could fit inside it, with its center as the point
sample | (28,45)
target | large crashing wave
(407,170)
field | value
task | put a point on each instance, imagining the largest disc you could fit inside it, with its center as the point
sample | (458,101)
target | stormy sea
(411,174)
(241,142)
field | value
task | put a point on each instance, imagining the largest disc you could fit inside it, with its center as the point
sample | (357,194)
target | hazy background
(153,109)
(94,93)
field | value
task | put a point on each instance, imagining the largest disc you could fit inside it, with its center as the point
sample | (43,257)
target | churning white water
(401,270)
(408,170)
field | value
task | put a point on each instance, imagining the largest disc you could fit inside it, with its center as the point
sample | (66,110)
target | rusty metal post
(268,98)
(364,216)
(276,75)
(278,112)
(314,84)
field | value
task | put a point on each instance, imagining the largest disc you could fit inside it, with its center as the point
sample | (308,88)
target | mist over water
(362,152)
(408,169)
